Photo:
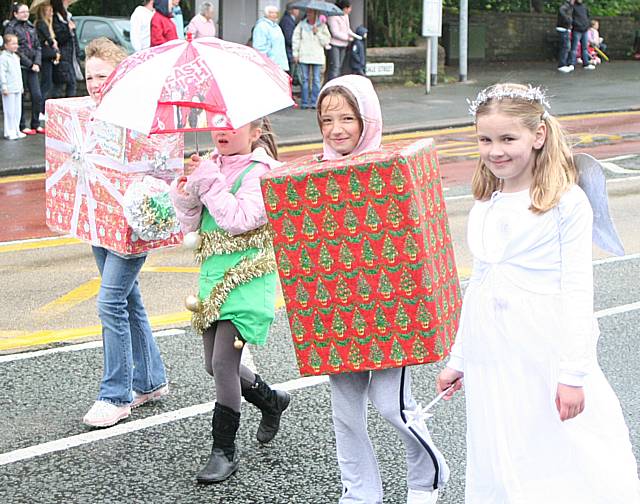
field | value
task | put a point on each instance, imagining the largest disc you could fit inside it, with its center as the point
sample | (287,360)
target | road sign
(432,18)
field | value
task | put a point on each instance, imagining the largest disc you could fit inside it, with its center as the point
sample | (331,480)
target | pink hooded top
(369,109)
(210,185)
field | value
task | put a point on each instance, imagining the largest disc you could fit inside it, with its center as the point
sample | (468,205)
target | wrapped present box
(365,259)
(90,164)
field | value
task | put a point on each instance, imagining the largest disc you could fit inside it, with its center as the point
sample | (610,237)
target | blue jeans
(336,59)
(132,359)
(563,57)
(315,84)
(584,42)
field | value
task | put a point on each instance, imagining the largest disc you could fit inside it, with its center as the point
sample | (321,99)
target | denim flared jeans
(132,359)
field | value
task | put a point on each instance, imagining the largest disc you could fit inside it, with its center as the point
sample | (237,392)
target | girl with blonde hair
(543,424)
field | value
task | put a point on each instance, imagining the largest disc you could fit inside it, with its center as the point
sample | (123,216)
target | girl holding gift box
(221,199)
(543,423)
(350,121)
(133,370)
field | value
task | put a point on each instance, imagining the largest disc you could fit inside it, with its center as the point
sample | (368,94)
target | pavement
(613,86)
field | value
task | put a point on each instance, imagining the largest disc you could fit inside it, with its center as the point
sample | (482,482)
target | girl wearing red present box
(350,121)
(133,369)
(543,423)
(221,199)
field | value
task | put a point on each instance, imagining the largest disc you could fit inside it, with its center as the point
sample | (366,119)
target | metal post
(463,42)
(427,68)
(434,61)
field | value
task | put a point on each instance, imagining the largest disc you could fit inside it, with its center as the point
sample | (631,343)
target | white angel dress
(527,324)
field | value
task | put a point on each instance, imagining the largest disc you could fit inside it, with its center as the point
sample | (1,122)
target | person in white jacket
(11,86)
(141,26)
(309,39)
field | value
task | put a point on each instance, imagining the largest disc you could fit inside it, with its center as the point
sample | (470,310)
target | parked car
(114,28)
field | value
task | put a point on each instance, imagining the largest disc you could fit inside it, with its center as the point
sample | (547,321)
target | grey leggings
(222,361)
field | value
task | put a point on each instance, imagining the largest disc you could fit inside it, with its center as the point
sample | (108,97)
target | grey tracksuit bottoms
(390,393)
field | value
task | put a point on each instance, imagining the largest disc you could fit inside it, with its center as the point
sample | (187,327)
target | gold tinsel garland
(221,242)
(243,272)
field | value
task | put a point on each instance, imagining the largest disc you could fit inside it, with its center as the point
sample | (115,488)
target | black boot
(223,461)
(271,402)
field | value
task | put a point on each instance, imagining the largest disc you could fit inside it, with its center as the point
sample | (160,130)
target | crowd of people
(580,40)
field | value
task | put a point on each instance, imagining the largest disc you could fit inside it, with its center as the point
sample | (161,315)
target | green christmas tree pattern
(398,354)
(308,227)
(338,325)
(439,348)
(410,247)
(350,220)
(297,328)
(271,197)
(288,229)
(292,195)
(283,263)
(335,361)
(342,290)
(305,260)
(381,320)
(355,357)
(414,214)
(397,179)
(418,350)
(358,322)
(302,296)
(322,293)
(376,184)
(375,354)
(318,327)
(364,289)
(368,255)
(311,191)
(389,251)
(394,216)
(314,359)
(325,259)
(346,256)
(402,319)
(354,185)
(329,223)
(423,315)
(333,189)
(372,219)
(406,283)
(384,286)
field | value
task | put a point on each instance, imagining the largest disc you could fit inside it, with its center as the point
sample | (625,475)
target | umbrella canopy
(326,8)
(37,3)
(200,85)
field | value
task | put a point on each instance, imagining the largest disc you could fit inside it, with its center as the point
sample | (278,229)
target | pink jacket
(200,27)
(369,105)
(341,33)
(210,185)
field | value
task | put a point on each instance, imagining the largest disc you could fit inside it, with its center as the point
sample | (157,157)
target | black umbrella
(326,8)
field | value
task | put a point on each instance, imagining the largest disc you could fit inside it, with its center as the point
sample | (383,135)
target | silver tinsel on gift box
(149,211)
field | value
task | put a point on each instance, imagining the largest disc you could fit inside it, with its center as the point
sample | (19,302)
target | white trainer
(140,399)
(589,67)
(421,496)
(104,414)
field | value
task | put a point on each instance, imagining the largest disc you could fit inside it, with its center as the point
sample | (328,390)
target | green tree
(406,282)
(318,327)
(292,195)
(322,293)
(355,357)
(397,179)
(414,215)
(333,189)
(329,223)
(311,191)
(355,185)
(419,350)
(410,247)
(271,197)
(384,285)
(372,219)
(335,361)
(297,328)
(288,229)
(364,289)
(305,260)
(358,322)
(394,215)
(314,359)
(376,184)
(402,319)
(283,263)
(342,290)
(398,355)
(423,315)
(389,251)
(375,354)
(302,296)
(350,220)
(381,320)
(326,261)
(337,324)
(368,254)
(308,227)
(346,256)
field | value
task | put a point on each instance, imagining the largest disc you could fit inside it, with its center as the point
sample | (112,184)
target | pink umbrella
(193,85)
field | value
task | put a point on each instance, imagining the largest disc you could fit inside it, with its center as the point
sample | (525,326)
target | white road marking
(136,425)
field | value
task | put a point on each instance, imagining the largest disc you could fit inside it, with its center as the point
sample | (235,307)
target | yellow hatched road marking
(22,178)
(38,244)
(171,269)
(78,295)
